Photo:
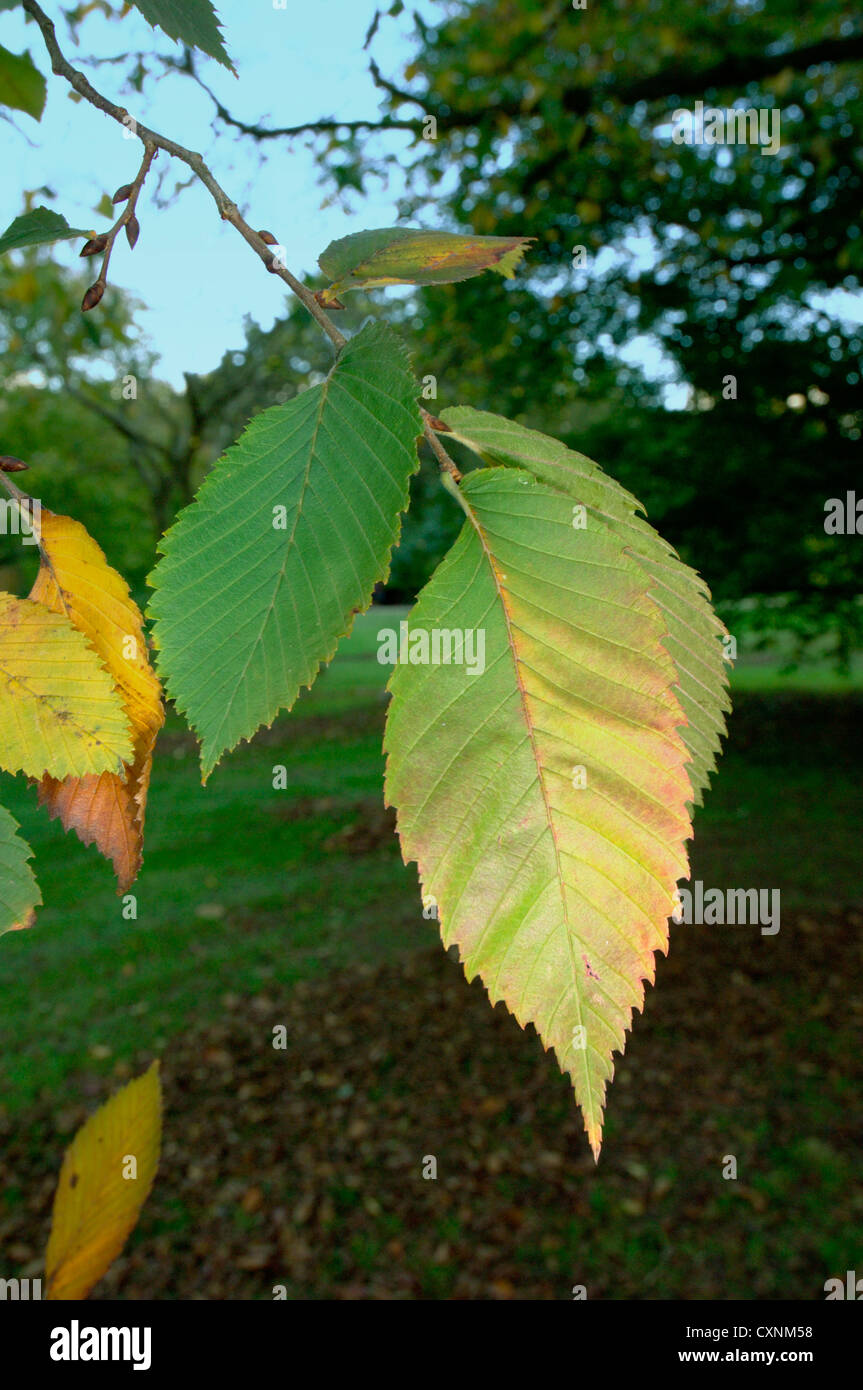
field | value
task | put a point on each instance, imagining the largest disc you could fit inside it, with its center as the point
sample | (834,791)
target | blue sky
(196,275)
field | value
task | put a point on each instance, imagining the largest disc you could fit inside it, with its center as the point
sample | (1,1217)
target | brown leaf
(102,811)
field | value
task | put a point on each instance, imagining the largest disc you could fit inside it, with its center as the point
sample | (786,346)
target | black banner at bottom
(83,1340)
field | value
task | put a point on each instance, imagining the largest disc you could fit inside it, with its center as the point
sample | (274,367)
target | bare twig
(26,504)
(126,219)
(23,499)
(397,93)
(326,125)
(13,491)
(228,209)
(430,426)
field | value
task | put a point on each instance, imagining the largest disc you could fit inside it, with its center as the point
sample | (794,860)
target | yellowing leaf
(406,256)
(107,1174)
(59,712)
(544,786)
(75,579)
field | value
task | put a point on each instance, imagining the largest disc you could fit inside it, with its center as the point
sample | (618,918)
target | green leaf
(544,795)
(404,256)
(192,22)
(694,639)
(37,228)
(284,544)
(19,892)
(22,86)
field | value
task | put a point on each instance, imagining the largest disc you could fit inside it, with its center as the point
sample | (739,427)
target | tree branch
(111,417)
(23,498)
(116,421)
(13,491)
(126,219)
(678,79)
(327,125)
(397,93)
(430,425)
(228,209)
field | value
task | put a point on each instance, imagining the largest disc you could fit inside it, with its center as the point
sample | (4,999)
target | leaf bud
(95,245)
(93,295)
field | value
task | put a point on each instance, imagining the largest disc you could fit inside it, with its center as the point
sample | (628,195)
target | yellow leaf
(98,1201)
(59,712)
(75,579)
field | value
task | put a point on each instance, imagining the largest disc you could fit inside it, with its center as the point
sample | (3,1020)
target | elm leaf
(191,22)
(695,633)
(22,86)
(19,893)
(59,711)
(107,1173)
(264,572)
(405,256)
(544,792)
(39,227)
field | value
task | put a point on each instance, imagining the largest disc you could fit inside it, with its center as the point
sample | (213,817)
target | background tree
(141,444)
(558,121)
(730,262)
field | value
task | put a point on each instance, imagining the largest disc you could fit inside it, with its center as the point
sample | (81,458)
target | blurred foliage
(557,123)
(707,261)
(110,444)
(61,375)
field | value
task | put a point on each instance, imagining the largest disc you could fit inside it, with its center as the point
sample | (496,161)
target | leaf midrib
(593,1123)
(291,540)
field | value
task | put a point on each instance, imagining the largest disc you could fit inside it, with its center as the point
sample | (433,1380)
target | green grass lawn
(236,889)
(767,673)
(240,887)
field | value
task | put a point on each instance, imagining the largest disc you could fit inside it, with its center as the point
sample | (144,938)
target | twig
(13,491)
(228,209)
(327,125)
(430,425)
(398,94)
(22,499)
(372,29)
(126,219)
